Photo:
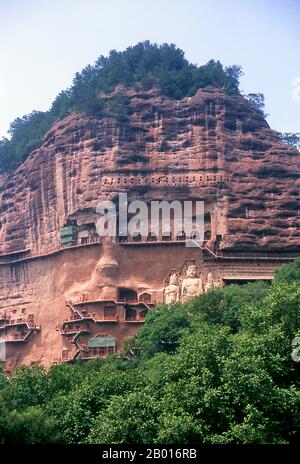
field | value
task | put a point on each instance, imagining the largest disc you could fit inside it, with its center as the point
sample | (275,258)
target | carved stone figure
(210,281)
(102,282)
(191,284)
(219,283)
(172,290)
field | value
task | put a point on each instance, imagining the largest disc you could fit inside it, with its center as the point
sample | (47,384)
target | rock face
(207,145)
(211,147)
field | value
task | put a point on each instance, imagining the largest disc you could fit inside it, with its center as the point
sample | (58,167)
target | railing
(21,337)
(72,331)
(17,338)
(4,252)
(135,319)
(89,300)
(99,353)
(78,316)
(50,251)
(129,240)
(113,318)
(18,322)
(151,240)
(251,255)
(85,317)
(76,332)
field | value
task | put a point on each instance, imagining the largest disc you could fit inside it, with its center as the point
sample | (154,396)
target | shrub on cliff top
(143,65)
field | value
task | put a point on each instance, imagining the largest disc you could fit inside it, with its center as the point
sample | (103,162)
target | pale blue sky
(44,42)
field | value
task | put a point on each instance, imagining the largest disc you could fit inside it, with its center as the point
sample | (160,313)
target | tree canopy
(257,101)
(215,370)
(143,65)
(291,138)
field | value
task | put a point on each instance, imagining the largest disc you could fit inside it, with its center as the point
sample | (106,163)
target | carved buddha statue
(191,284)
(172,289)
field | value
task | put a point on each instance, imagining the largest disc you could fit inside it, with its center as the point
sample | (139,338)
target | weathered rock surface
(211,146)
(171,144)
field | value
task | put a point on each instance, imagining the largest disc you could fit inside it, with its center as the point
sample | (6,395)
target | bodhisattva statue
(210,281)
(219,283)
(172,290)
(191,284)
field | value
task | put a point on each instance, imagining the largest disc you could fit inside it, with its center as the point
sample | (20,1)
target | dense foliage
(143,65)
(291,138)
(257,100)
(215,370)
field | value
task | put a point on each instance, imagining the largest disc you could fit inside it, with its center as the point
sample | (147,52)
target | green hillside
(219,369)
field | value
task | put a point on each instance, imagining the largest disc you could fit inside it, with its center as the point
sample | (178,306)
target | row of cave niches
(77,234)
(91,329)
(94,326)
(16,325)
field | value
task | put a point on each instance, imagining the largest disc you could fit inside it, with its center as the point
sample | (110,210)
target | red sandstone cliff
(209,146)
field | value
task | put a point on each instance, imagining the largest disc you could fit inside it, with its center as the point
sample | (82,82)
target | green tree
(144,65)
(288,272)
(257,101)
(129,418)
(163,329)
(27,387)
(31,426)
(217,369)
(291,138)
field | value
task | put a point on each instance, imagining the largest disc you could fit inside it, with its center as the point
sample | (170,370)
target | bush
(217,369)
(144,65)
